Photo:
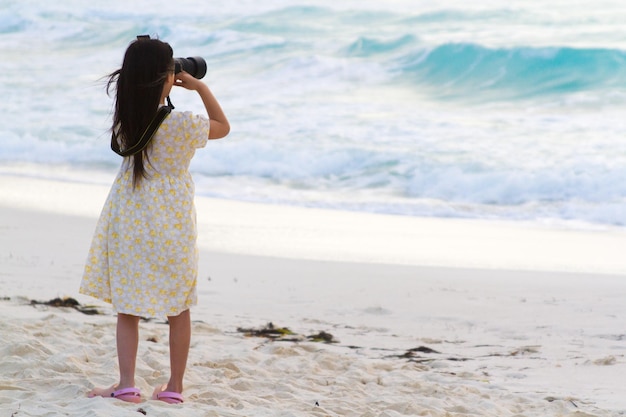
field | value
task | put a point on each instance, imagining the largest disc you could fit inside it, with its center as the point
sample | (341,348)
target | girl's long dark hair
(139,85)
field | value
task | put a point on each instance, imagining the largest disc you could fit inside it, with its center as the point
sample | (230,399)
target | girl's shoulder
(185,115)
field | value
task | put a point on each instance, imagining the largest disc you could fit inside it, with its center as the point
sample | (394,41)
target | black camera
(193,65)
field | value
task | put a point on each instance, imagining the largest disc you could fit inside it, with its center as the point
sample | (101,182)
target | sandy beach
(430,317)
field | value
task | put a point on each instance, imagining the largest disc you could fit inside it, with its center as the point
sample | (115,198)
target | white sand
(528,321)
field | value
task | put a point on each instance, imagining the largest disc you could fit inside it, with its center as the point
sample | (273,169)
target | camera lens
(193,65)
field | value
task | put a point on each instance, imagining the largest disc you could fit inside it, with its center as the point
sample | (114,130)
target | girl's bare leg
(180,338)
(127,344)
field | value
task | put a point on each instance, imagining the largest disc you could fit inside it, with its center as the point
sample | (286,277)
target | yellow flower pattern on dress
(143,257)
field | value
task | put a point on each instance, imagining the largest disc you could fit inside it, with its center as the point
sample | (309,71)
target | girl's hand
(187,81)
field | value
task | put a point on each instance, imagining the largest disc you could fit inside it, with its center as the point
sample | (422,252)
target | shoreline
(321,234)
(526,342)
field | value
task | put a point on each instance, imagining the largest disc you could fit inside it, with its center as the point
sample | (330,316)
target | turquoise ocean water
(498,110)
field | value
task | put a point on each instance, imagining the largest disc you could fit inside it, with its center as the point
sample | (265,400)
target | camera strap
(147,135)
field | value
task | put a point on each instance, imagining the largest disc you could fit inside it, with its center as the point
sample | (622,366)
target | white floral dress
(143,258)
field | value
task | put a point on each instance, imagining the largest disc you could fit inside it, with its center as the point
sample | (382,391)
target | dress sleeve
(196,129)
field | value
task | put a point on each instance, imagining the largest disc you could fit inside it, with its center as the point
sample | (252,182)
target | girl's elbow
(220,131)
(226,129)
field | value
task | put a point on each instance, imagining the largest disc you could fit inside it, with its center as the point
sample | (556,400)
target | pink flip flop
(170,397)
(131,395)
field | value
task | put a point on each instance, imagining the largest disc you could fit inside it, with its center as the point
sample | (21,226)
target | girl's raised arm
(219,123)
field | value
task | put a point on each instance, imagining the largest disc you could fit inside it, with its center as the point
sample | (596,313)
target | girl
(143,258)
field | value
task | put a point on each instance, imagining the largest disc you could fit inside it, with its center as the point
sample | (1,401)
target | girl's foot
(169,397)
(131,395)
